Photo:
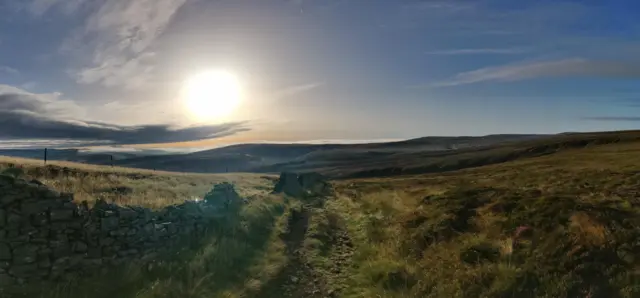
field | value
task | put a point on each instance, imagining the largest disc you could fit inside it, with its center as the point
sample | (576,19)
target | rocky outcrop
(45,235)
(304,184)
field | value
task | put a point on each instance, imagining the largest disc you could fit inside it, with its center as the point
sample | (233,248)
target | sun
(212,95)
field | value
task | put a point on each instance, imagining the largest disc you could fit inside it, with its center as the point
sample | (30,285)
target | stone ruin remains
(45,235)
(302,185)
(222,196)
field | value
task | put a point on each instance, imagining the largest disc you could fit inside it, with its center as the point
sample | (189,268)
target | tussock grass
(563,225)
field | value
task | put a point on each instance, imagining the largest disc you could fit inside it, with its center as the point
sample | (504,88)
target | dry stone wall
(45,235)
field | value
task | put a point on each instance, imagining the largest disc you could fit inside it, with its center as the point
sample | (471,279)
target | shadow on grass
(205,267)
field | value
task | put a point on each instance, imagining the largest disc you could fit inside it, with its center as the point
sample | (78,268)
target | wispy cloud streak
(479,51)
(560,68)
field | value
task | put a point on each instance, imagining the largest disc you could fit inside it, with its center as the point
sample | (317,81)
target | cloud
(133,73)
(505,51)
(297,89)
(560,68)
(8,70)
(18,100)
(28,85)
(25,115)
(47,143)
(612,118)
(120,36)
(439,6)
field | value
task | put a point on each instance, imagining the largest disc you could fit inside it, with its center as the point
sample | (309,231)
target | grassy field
(125,186)
(565,224)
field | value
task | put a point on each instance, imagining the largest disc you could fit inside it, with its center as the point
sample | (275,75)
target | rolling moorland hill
(325,158)
(416,156)
(558,218)
(266,157)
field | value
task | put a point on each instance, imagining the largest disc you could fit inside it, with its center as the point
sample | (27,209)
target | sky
(94,72)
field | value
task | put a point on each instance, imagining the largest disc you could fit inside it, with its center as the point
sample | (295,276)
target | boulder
(314,183)
(222,195)
(305,184)
(288,183)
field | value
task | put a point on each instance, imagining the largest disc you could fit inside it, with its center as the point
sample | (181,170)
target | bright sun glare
(212,95)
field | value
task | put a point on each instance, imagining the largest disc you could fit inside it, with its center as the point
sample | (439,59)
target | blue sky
(111,71)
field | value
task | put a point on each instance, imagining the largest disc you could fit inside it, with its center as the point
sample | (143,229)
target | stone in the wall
(5,252)
(61,215)
(128,214)
(14,220)
(94,252)
(32,207)
(26,254)
(40,219)
(80,246)
(24,270)
(44,262)
(109,223)
(6,280)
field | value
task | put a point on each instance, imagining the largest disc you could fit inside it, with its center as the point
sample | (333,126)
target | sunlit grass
(565,225)
(153,189)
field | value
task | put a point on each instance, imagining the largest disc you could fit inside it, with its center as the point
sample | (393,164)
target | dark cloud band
(25,116)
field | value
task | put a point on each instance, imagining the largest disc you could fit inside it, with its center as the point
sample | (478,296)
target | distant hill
(52,154)
(415,156)
(274,157)
(79,155)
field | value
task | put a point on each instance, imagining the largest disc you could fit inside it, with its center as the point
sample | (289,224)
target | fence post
(45,156)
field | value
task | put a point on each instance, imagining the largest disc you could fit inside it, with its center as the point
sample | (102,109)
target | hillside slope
(565,224)
(560,225)
(376,164)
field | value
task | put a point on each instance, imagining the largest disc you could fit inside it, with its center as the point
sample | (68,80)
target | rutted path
(340,259)
(300,278)
(318,247)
